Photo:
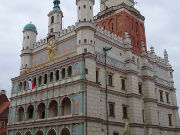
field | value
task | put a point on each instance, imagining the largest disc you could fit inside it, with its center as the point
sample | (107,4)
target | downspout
(85,89)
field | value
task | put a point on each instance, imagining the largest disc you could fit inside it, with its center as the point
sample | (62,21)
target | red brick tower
(120,16)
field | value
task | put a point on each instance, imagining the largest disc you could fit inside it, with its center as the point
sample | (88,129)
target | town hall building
(67,86)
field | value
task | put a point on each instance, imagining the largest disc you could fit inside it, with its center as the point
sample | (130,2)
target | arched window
(30,112)
(51,77)
(45,79)
(34,81)
(39,132)
(52,19)
(70,71)
(65,131)
(20,86)
(41,111)
(28,133)
(20,114)
(18,133)
(40,80)
(53,108)
(63,74)
(57,75)
(66,106)
(51,132)
(24,85)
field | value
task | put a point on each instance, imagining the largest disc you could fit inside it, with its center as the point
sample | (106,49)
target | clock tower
(119,17)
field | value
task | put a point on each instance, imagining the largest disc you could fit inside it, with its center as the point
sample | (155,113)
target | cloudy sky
(162,30)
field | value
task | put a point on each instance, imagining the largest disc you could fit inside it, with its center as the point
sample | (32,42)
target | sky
(162,30)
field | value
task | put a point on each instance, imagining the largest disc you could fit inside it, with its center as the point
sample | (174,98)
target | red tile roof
(3,107)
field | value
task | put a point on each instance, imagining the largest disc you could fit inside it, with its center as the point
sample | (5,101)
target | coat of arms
(51,48)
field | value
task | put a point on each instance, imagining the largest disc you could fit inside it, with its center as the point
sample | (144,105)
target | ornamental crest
(51,47)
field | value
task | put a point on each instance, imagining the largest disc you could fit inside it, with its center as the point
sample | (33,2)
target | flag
(31,85)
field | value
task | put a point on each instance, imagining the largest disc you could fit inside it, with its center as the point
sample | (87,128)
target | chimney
(3,92)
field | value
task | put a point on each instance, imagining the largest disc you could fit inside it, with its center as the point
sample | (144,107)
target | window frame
(127,115)
(113,105)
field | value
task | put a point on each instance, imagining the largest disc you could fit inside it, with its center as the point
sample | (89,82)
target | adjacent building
(4,112)
(61,89)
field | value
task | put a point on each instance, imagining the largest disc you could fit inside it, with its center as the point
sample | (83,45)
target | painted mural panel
(77,69)
(61,50)
(76,103)
(15,88)
(12,115)
(76,130)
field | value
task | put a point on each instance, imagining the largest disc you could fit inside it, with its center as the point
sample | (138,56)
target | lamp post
(106,49)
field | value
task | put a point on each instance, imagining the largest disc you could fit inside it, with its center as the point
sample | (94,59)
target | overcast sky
(162,30)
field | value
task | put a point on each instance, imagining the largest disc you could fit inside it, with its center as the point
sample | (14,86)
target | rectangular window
(123,84)
(161,96)
(170,119)
(110,80)
(140,88)
(97,76)
(2,124)
(125,112)
(167,97)
(111,109)
(143,115)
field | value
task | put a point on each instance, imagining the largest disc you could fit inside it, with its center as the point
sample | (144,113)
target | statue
(127,129)
(51,48)
(165,133)
(151,131)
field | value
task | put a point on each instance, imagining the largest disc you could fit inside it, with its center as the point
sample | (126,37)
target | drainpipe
(85,89)
(106,49)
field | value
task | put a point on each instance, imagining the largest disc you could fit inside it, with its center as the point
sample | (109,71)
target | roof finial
(30,22)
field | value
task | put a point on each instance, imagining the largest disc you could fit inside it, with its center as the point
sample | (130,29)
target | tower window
(161,96)
(79,7)
(79,41)
(85,40)
(27,37)
(85,50)
(97,75)
(170,119)
(167,97)
(51,30)
(140,88)
(84,6)
(125,112)
(90,7)
(84,19)
(52,19)
(123,87)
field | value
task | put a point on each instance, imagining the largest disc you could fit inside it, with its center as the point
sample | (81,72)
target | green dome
(30,26)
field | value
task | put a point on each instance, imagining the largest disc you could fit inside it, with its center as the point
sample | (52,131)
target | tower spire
(56,4)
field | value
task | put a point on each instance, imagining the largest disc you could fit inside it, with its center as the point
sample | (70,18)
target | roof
(30,26)
(3,109)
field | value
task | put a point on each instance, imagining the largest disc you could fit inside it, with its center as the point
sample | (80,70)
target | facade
(4,111)
(61,89)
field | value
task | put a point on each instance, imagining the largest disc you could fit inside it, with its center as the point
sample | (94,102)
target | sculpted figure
(127,130)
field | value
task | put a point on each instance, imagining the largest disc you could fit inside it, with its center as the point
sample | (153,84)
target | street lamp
(106,49)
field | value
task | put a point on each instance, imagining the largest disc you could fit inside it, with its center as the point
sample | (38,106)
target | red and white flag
(31,85)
